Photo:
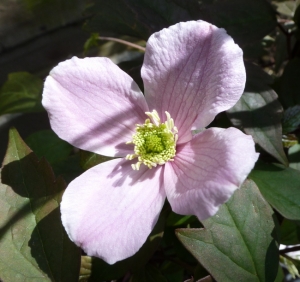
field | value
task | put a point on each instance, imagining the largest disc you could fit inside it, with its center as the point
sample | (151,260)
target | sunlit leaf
(238,243)
(259,113)
(21,93)
(280,186)
(33,243)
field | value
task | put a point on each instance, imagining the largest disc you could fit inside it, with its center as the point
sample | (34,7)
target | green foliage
(259,113)
(89,159)
(239,242)
(21,94)
(290,232)
(33,243)
(280,187)
(47,144)
(244,20)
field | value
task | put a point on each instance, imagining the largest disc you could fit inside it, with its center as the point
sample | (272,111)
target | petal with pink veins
(94,105)
(110,210)
(193,70)
(207,170)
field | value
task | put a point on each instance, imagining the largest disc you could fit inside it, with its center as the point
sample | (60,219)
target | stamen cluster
(155,142)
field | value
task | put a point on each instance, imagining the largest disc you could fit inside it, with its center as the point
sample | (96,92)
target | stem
(288,250)
(123,42)
(288,39)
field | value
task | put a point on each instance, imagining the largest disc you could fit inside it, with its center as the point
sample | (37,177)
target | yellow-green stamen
(154,142)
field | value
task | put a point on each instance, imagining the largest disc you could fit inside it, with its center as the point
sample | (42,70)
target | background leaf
(244,20)
(47,144)
(280,186)
(259,113)
(238,243)
(289,88)
(33,243)
(89,159)
(21,93)
(291,119)
(289,232)
(149,273)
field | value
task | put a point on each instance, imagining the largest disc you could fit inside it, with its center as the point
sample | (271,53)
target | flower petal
(111,209)
(207,170)
(94,105)
(193,70)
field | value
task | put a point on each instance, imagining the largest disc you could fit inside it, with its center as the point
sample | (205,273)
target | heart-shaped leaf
(33,243)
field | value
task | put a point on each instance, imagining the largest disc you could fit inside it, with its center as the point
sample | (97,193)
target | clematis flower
(192,71)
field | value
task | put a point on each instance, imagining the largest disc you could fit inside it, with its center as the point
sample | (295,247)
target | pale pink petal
(111,209)
(207,170)
(193,70)
(94,105)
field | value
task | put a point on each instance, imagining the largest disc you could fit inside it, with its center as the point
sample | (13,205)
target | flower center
(154,142)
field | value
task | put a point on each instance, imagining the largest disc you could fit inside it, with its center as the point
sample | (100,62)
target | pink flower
(192,71)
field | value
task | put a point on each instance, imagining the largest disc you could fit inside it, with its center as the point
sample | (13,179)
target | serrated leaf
(33,243)
(244,20)
(100,270)
(21,93)
(280,186)
(291,119)
(259,113)
(238,243)
(289,232)
(47,144)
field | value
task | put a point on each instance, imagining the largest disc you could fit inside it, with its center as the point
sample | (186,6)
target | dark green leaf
(280,275)
(290,232)
(52,13)
(47,144)
(244,20)
(280,186)
(100,270)
(259,113)
(149,273)
(68,168)
(89,159)
(291,119)
(237,244)
(33,243)
(294,156)
(21,94)
(289,87)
